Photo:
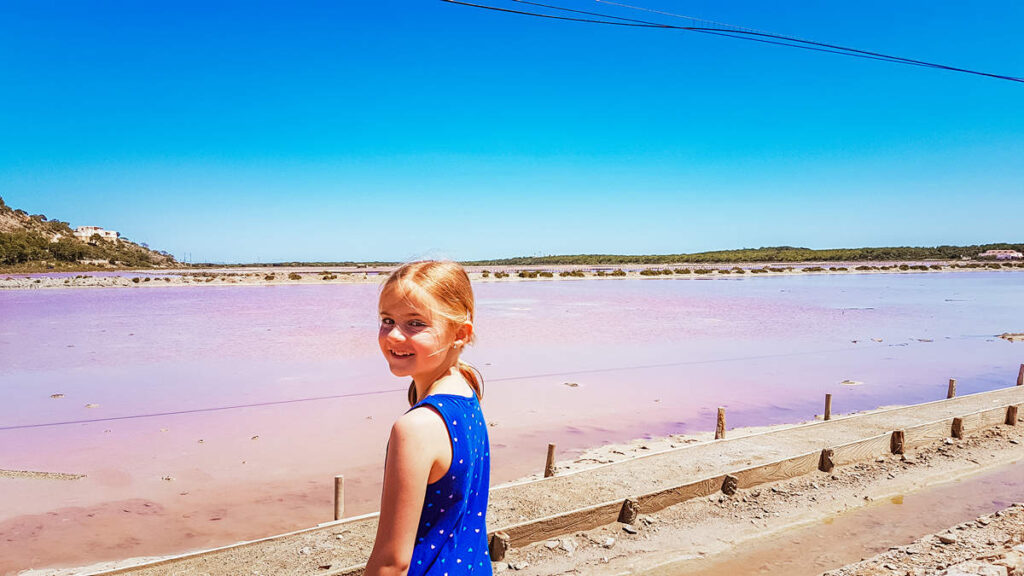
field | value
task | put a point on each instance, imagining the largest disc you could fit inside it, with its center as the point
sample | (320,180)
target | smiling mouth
(397,354)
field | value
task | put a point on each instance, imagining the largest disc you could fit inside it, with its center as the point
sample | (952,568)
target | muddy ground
(992,544)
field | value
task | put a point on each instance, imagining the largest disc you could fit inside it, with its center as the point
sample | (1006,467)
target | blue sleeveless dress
(452,536)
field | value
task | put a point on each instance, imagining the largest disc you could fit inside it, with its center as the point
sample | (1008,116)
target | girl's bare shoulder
(421,426)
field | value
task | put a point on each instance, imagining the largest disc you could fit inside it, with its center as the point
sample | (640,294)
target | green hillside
(33,242)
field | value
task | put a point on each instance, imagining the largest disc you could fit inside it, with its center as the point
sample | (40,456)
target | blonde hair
(448,284)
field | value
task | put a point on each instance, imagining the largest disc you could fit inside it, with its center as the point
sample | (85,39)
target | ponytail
(473,378)
(468,371)
(412,393)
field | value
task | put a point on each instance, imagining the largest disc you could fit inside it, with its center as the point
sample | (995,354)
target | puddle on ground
(865,532)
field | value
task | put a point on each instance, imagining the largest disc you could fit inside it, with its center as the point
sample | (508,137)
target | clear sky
(393,130)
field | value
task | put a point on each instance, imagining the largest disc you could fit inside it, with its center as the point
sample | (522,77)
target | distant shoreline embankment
(312,275)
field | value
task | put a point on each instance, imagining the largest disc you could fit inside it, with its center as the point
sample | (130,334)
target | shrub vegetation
(764,254)
(35,239)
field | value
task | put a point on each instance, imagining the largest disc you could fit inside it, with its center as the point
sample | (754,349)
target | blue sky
(397,130)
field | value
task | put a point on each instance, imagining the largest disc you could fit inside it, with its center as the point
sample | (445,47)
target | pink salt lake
(223,413)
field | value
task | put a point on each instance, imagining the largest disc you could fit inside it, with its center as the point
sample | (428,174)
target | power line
(397,390)
(198,410)
(726,32)
(553,17)
(674,15)
(720,29)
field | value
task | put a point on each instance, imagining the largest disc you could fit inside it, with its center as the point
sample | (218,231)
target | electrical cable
(781,40)
(731,31)
(727,32)
(683,16)
(553,17)
(397,390)
(198,410)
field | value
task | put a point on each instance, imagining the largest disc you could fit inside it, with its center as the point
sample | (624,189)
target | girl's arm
(419,439)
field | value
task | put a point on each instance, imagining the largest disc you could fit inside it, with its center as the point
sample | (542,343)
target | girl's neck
(451,382)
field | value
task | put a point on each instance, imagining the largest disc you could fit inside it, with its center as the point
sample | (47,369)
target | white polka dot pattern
(452,536)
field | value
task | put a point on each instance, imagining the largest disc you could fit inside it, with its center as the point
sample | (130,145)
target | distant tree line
(765,254)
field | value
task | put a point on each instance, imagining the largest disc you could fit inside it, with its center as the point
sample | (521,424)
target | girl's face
(415,341)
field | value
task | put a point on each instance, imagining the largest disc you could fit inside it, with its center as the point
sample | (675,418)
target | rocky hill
(33,241)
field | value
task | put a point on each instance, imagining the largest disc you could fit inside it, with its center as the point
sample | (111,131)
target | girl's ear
(464,333)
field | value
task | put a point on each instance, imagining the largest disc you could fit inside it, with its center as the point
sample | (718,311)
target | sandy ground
(31,474)
(667,542)
(992,544)
(306,275)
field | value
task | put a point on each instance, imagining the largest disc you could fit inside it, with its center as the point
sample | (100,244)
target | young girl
(437,471)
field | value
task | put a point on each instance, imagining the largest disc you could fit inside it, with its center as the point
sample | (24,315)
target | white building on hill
(86,232)
(1001,254)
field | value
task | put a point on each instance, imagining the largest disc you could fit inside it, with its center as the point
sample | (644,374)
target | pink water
(298,367)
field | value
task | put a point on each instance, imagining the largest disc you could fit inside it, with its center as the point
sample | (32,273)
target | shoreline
(306,276)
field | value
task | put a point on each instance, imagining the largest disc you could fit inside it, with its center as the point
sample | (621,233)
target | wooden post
(339,497)
(1020,376)
(499,545)
(720,426)
(896,442)
(729,484)
(828,406)
(629,512)
(549,466)
(1011,415)
(825,463)
(957,431)
(952,388)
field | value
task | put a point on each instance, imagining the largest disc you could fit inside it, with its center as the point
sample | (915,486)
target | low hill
(32,241)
